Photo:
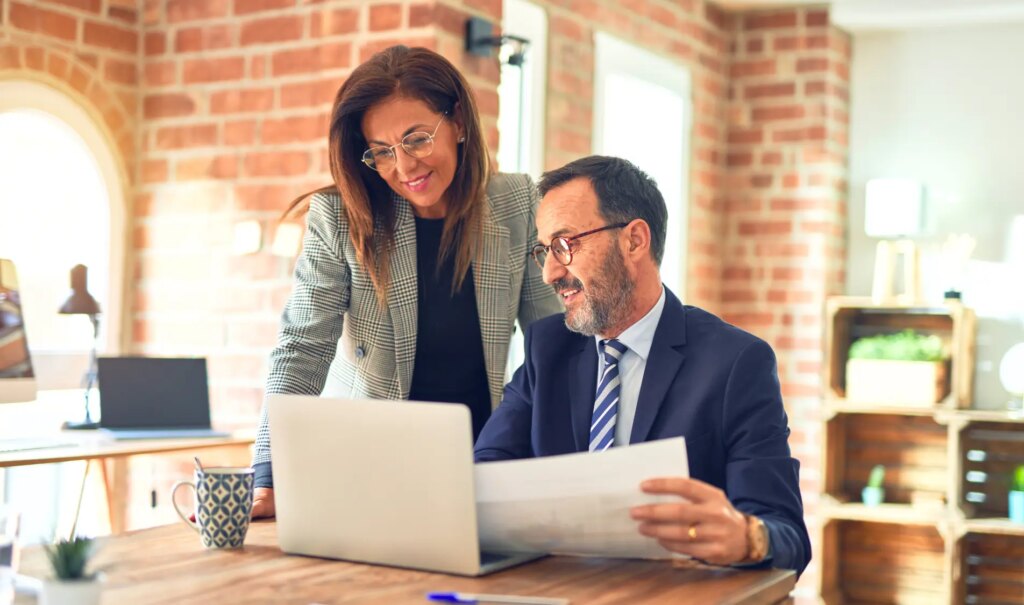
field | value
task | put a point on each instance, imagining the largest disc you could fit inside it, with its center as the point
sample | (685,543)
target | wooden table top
(90,446)
(167,565)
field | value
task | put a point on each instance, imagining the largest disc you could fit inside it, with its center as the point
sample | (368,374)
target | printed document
(575,504)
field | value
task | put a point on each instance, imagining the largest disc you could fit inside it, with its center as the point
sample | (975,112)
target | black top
(450,364)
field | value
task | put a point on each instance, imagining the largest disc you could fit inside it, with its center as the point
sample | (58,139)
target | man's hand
(263,502)
(706,528)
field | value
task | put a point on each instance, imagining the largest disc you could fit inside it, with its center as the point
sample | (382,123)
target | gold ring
(692,532)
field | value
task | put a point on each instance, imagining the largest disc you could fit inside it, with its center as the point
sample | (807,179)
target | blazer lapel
(403,296)
(582,387)
(493,298)
(663,363)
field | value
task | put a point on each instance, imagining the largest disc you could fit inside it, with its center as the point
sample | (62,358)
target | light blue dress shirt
(638,338)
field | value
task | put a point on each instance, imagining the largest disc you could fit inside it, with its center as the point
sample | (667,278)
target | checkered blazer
(372,357)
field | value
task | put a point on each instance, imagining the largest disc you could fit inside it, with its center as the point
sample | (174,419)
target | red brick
(154,171)
(155,43)
(787,273)
(122,72)
(263,198)
(811,64)
(294,130)
(167,106)
(43,21)
(241,101)
(739,158)
(80,79)
(277,163)
(752,136)
(770,21)
(197,168)
(334,22)
(91,6)
(313,59)
(755,45)
(310,94)
(123,13)
(35,58)
(816,18)
(765,227)
(195,10)
(57,65)
(240,133)
(213,70)
(112,37)
(160,74)
(744,295)
(178,137)
(274,29)
(784,112)
(245,7)
(385,16)
(208,37)
(737,273)
(781,89)
(759,67)
(9,57)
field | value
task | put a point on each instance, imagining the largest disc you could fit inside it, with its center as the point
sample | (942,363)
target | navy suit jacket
(705,380)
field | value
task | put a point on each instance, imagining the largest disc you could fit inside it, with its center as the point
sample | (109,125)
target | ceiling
(867,15)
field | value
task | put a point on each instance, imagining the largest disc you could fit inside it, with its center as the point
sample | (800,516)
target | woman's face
(423,181)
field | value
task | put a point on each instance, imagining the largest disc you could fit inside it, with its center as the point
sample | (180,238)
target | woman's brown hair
(421,74)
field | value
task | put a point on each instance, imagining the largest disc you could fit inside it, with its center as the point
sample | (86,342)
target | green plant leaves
(70,557)
(907,345)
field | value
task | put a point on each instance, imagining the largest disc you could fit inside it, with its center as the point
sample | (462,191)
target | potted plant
(905,368)
(71,585)
(1017,496)
(873,493)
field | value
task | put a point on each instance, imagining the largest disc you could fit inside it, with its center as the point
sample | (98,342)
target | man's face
(595,287)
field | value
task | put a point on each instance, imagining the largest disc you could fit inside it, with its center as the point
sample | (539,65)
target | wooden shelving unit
(942,535)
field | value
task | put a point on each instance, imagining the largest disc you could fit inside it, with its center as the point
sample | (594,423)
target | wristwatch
(757,540)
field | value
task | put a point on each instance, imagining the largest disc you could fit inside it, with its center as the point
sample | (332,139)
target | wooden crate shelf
(866,562)
(913,450)
(883,513)
(992,570)
(989,453)
(848,319)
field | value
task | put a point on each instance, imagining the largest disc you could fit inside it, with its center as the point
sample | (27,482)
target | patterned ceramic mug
(223,504)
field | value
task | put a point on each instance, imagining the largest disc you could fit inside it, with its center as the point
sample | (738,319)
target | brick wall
(785,205)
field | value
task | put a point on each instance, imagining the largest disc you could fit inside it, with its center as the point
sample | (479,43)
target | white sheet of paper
(577,503)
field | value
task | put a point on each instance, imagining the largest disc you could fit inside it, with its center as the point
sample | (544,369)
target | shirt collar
(640,336)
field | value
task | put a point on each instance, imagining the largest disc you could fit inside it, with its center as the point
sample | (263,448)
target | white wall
(944,106)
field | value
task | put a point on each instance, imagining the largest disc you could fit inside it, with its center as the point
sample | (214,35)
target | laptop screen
(153,393)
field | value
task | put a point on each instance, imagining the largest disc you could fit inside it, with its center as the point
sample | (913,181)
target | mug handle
(184,517)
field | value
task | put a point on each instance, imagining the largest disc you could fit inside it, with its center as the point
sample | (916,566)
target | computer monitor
(17,380)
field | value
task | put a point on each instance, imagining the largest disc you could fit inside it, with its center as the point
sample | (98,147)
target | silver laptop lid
(375,481)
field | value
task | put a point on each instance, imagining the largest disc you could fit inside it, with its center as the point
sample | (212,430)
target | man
(629,363)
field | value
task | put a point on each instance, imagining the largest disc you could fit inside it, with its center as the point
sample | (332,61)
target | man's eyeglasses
(417,144)
(562,248)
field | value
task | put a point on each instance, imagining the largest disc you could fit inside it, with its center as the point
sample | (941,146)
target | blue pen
(470,597)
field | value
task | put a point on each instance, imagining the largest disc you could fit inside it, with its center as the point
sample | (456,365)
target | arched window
(61,204)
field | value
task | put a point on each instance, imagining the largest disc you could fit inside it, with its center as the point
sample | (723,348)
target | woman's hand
(263,502)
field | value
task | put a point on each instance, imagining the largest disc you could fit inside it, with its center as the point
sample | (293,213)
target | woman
(416,249)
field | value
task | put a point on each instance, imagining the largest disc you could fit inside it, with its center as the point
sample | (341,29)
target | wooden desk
(113,459)
(167,565)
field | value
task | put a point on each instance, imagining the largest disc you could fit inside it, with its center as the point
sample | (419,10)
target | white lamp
(894,211)
(1011,374)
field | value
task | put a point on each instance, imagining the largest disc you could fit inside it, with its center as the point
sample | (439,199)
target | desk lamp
(894,212)
(80,302)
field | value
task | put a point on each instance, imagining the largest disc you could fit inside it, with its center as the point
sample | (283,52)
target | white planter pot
(77,592)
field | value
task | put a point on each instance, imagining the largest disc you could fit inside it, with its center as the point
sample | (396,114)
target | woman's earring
(462,139)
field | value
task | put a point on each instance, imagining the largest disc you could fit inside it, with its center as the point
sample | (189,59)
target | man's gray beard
(606,300)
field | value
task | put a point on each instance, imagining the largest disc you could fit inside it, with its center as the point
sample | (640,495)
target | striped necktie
(606,404)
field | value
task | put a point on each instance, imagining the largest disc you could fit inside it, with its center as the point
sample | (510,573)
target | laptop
(383,482)
(154,397)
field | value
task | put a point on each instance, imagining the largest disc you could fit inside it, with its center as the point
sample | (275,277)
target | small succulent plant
(69,558)
(1018,479)
(877,476)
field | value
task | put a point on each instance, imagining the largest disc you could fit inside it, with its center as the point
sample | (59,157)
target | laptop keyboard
(21,444)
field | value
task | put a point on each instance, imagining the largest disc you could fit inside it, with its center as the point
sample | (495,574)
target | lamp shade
(893,207)
(80,302)
(1011,370)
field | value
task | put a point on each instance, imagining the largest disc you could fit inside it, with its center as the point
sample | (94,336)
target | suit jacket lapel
(493,298)
(663,363)
(582,384)
(403,296)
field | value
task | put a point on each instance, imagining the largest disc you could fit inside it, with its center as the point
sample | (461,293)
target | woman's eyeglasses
(562,248)
(417,144)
